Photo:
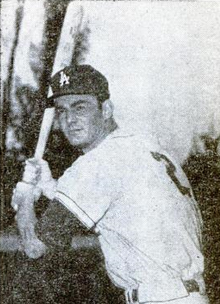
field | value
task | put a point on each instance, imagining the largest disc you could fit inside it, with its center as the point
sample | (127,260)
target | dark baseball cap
(79,80)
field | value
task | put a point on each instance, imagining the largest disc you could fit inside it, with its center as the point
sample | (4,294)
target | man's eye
(60,111)
(80,109)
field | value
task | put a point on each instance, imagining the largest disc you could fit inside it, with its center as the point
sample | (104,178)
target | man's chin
(75,142)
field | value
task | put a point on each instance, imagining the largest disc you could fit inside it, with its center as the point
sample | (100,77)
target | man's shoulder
(123,139)
(121,147)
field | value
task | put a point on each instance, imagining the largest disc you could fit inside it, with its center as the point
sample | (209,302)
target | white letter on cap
(64,79)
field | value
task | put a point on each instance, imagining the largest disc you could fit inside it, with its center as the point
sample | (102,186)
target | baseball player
(126,189)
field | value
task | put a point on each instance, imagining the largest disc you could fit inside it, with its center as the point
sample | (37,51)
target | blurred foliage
(203,171)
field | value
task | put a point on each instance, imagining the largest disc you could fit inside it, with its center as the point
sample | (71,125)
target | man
(124,188)
(63,275)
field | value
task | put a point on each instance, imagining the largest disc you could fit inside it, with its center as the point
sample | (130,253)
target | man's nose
(71,118)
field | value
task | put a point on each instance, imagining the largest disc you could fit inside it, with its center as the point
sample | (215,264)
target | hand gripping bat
(24,196)
(39,152)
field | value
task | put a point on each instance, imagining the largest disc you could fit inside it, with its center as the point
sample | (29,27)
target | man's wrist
(49,188)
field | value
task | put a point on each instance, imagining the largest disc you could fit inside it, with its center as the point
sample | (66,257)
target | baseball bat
(65,46)
(44,132)
(22,200)
(26,216)
(40,148)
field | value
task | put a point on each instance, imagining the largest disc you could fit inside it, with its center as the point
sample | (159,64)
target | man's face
(80,118)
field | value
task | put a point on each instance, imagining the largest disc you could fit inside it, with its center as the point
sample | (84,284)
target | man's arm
(37,179)
(26,220)
(57,226)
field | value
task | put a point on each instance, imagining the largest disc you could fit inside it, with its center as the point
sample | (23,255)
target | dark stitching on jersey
(105,212)
(171,169)
(76,205)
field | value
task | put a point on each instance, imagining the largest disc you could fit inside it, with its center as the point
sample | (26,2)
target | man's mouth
(75,130)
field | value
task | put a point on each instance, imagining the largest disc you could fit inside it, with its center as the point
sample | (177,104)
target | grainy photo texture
(110,141)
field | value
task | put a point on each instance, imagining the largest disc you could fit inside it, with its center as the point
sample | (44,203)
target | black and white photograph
(110,152)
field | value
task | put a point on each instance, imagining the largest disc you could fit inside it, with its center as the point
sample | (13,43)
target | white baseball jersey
(141,204)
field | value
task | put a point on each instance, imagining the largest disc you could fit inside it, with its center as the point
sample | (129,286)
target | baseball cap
(79,80)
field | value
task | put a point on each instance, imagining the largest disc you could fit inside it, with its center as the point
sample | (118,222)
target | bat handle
(44,132)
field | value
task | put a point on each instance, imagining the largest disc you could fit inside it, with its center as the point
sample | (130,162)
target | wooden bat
(44,132)
(23,197)
(73,19)
(39,151)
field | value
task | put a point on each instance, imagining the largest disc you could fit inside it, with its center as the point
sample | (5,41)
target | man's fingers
(32,165)
(32,171)
(32,160)
(38,167)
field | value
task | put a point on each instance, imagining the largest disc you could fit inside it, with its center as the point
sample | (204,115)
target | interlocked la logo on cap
(64,79)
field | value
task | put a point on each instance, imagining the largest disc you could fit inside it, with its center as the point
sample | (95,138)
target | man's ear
(107,109)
